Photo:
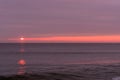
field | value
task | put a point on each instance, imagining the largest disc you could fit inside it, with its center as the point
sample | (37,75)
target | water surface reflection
(22,67)
(21,62)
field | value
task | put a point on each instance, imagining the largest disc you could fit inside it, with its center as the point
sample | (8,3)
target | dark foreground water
(59,61)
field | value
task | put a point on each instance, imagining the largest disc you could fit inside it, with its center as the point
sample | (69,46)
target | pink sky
(68,39)
(91,19)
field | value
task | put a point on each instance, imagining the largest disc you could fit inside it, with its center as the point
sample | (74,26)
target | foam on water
(116,78)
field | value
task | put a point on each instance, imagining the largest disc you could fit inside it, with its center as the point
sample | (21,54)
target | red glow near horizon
(77,39)
(105,38)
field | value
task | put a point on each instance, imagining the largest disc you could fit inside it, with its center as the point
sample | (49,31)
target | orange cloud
(112,38)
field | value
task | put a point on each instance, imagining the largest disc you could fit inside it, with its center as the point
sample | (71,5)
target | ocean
(61,61)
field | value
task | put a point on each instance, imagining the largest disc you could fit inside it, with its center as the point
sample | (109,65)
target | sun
(22,38)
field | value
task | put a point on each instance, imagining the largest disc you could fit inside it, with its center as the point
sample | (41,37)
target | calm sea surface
(34,58)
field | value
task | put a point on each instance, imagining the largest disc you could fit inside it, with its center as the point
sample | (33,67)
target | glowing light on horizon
(22,38)
(111,38)
(96,38)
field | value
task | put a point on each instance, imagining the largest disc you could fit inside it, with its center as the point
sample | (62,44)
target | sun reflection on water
(21,62)
(22,67)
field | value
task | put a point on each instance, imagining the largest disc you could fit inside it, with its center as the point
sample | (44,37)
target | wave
(86,72)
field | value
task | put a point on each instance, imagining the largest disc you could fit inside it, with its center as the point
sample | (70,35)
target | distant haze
(68,20)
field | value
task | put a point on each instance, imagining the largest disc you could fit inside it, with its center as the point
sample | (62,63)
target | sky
(60,20)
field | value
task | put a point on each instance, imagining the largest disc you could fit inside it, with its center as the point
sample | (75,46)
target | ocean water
(67,61)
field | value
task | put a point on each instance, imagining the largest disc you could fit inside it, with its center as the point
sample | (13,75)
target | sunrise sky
(60,20)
